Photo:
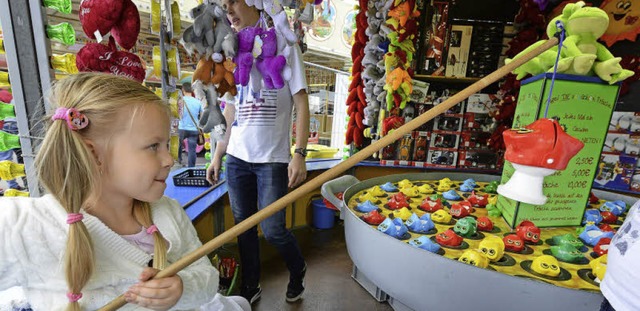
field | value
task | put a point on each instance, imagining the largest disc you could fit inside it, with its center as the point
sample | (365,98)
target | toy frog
(581,54)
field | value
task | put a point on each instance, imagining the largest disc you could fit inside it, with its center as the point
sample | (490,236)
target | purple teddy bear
(268,63)
(244,57)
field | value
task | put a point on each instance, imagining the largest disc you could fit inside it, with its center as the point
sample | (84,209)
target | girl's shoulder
(42,209)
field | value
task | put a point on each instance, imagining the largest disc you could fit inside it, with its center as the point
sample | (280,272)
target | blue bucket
(323,217)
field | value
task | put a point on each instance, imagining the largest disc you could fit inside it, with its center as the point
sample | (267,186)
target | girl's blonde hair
(69,170)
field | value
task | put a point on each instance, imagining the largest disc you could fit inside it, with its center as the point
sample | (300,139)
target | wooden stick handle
(317,182)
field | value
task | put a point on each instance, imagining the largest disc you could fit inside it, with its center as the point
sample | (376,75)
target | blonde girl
(104,228)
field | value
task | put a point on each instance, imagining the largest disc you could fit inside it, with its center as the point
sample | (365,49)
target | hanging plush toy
(624,20)
(120,17)
(106,58)
(536,151)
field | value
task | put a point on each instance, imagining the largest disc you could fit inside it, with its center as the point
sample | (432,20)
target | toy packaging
(615,170)
(482,103)
(436,38)
(420,92)
(442,158)
(476,159)
(448,123)
(458,53)
(474,140)
(478,122)
(420,146)
(404,151)
(624,122)
(444,140)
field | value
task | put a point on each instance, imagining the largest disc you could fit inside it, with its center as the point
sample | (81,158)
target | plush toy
(212,119)
(120,17)
(106,58)
(5,96)
(244,55)
(222,28)
(99,16)
(581,53)
(126,30)
(268,62)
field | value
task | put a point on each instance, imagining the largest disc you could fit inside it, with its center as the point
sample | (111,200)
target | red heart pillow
(5,96)
(102,58)
(99,15)
(126,30)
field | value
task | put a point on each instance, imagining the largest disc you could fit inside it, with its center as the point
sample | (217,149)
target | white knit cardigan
(33,239)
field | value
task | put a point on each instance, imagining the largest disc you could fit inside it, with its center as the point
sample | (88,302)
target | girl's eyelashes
(154,146)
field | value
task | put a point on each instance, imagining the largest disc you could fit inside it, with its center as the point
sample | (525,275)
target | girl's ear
(96,151)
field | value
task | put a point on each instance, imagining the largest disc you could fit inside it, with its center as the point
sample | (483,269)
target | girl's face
(138,160)
(240,14)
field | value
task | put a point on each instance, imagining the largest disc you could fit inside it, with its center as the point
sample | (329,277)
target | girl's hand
(157,294)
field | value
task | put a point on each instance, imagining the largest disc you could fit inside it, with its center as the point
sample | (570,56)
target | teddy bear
(244,55)
(269,63)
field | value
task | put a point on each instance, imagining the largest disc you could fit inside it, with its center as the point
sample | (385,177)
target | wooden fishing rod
(363,154)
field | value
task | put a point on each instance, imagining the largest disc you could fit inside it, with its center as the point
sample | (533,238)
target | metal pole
(27,52)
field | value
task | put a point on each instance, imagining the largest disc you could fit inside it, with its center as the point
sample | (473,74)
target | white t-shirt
(261,131)
(620,284)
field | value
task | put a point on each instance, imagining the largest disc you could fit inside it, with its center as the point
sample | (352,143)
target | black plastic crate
(192,178)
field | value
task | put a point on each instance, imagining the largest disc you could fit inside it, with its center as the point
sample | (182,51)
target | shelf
(599,187)
(442,79)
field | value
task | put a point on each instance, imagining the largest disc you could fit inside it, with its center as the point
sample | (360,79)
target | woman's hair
(69,170)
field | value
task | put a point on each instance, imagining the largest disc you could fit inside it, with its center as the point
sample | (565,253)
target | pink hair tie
(73,297)
(75,119)
(152,229)
(74,217)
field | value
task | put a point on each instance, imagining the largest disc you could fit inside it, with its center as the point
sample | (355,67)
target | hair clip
(75,119)
(152,229)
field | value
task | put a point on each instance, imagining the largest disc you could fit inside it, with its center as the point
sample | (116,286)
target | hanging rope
(561,33)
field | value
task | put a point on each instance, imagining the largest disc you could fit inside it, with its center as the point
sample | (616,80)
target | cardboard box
(420,147)
(615,171)
(405,148)
(444,140)
(420,91)
(482,103)
(485,159)
(625,122)
(584,106)
(474,140)
(478,122)
(442,158)
(616,142)
(458,54)
(448,123)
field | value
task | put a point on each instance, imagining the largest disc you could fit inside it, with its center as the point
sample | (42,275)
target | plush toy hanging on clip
(535,151)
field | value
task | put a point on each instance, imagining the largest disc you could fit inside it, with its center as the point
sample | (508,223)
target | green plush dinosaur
(581,53)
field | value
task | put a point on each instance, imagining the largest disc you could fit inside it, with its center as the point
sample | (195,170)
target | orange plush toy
(210,72)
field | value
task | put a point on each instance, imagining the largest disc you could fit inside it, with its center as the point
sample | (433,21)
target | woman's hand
(157,294)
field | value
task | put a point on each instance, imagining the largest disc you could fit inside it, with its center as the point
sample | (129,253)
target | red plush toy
(5,96)
(126,30)
(106,58)
(120,17)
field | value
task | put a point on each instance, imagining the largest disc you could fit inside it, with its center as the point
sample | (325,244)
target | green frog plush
(581,53)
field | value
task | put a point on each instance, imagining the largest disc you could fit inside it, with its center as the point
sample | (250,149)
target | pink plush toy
(244,57)
(5,96)
(269,63)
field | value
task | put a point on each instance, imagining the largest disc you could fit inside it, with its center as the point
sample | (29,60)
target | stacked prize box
(486,48)
(615,170)
(420,148)
(404,150)
(435,39)
(458,52)
(477,129)
(617,166)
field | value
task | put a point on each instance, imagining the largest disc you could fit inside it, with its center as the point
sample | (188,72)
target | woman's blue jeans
(252,187)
